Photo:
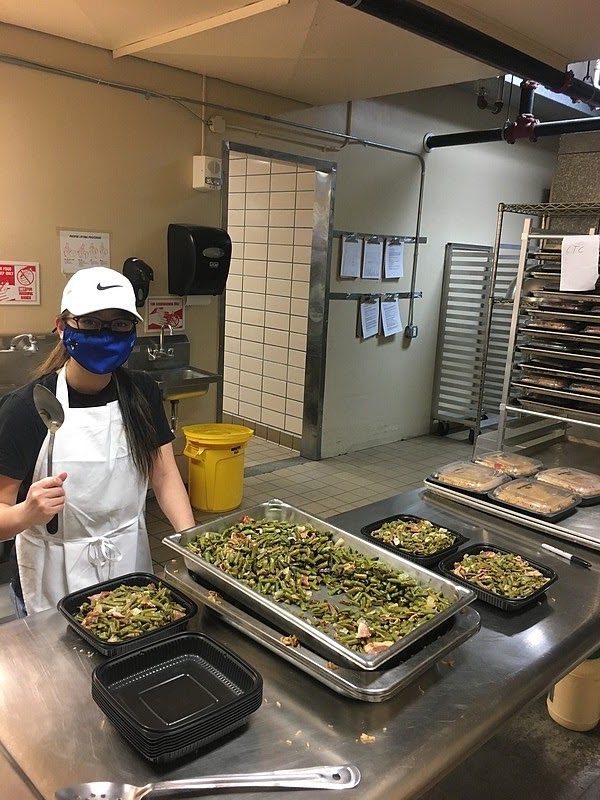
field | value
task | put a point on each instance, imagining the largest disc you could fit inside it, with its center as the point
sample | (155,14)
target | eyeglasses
(95,324)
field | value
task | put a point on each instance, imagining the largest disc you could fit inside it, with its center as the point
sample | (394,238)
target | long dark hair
(140,429)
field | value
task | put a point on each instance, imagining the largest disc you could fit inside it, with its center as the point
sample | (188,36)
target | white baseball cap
(98,288)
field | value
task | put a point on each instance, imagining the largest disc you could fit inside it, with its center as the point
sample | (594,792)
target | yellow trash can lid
(217,433)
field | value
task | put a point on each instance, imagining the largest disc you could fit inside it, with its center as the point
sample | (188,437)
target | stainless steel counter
(57,736)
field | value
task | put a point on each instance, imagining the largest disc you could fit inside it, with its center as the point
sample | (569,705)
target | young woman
(114,441)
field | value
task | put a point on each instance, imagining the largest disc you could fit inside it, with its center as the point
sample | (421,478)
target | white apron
(101,533)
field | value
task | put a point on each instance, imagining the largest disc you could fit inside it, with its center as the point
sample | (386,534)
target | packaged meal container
(537,498)
(469,476)
(512,464)
(585,484)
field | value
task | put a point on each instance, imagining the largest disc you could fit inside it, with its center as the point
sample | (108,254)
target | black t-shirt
(22,432)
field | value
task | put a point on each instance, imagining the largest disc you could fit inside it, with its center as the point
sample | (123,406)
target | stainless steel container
(283,615)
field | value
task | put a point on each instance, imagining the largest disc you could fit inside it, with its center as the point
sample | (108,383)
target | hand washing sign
(19,283)
(82,249)
(165,311)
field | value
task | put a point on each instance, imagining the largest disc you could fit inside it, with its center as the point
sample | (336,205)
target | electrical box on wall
(207,173)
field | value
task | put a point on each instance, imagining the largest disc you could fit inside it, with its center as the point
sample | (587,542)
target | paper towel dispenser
(198,259)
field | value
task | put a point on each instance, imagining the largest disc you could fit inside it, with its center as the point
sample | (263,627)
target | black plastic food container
(70,605)
(425,561)
(498,600)
(174,697)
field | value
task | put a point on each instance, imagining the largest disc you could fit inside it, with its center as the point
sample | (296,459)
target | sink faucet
(18,342)
(160,352)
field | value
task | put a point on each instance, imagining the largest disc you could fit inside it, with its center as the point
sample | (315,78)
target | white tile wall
(270,217)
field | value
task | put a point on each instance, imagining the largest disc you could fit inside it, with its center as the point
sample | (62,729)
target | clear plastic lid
(512,464)
(470,476)
(586,484)
(530,494)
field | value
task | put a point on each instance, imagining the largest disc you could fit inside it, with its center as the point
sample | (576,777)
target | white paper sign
(372,259)
(369,319)
(393,261)
(351,257)
(579,263)
(82,249)
(390,317)
(165,311)
(19,283)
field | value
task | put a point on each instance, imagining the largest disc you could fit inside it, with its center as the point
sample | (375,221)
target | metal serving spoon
(53,416)
(342,777)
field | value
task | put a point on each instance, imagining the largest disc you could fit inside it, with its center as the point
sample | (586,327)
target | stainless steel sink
(176,381)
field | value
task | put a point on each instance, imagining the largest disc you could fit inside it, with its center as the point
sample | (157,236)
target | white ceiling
(316,51)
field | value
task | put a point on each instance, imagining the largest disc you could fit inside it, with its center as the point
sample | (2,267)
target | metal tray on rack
(540,333)
(371,687)
(576,316)
(542,369)
(566,355)
(564,394)
(587,297)
(283,615)
(575,414)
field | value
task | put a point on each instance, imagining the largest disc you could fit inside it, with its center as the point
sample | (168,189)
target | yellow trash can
(574,702)
(216,464)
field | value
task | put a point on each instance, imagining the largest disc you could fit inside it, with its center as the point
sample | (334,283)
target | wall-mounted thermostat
(207,173)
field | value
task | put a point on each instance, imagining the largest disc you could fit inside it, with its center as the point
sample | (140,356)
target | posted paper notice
(351,257)
(579,263)
(82,249)
(20,283)
(165,311)
(372,259)
(369,319)
(390,317)
(393,260)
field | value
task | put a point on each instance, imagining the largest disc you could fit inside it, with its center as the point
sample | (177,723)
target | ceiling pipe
(444,30)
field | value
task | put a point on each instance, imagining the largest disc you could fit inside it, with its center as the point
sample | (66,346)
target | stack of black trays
(170,699)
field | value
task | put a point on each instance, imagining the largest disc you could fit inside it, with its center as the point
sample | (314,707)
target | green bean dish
(505,574)
(420,537)
(363,604)
(128,611)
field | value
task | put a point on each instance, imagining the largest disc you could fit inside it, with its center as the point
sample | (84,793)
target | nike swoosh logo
(112,286)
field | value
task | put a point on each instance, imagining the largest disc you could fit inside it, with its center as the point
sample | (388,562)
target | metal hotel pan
(283,615)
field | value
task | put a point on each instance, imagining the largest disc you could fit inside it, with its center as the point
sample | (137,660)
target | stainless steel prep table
(56,734)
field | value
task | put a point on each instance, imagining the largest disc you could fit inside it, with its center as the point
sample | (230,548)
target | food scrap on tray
(362,603)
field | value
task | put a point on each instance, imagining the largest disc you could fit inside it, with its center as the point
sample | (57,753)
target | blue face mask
(99,352)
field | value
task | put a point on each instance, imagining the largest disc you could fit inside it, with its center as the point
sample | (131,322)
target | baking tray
(542,369)
(494,599)
(575,316)
(69,606)
(283,615)
(562,355)
(425,561)
(560,531)
(552,518)
(574,414)
(374,686)
(587,297)
(567,336)
(564,394)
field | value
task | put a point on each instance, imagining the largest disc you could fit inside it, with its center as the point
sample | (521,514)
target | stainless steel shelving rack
(558,425)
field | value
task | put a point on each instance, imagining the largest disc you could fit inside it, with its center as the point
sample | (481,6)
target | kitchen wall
(79,155)
(379,390)
(576,178)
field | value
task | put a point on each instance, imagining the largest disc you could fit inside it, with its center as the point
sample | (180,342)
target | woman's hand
(44,499)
